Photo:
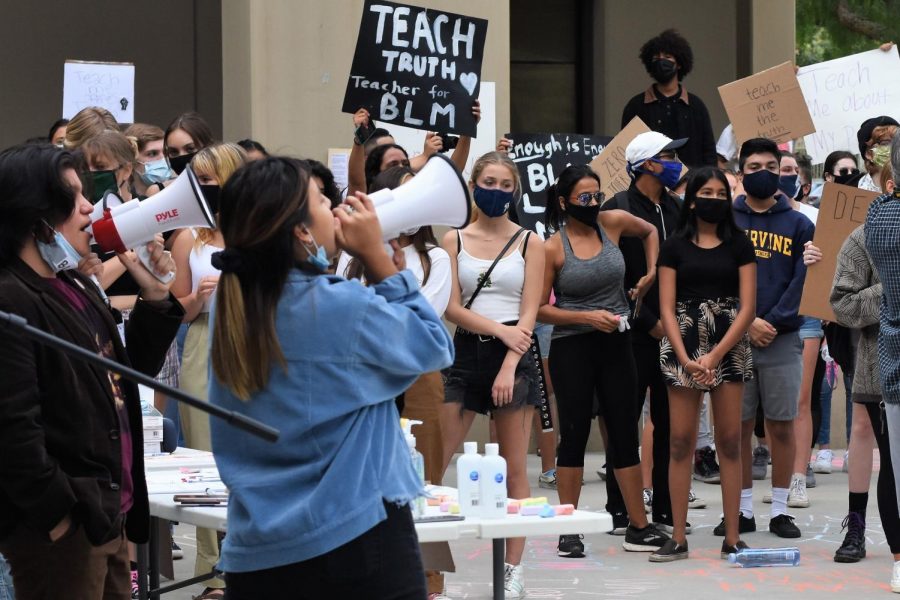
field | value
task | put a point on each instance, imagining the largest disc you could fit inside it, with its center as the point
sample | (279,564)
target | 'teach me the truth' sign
(417,67)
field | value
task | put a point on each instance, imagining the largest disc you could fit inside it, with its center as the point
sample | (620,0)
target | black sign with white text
(417,67)
(541,157)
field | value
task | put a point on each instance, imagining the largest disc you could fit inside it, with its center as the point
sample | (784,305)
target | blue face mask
(671,174)
(492,203)
(789,185)
(319,259)
(59,254)
(157,171)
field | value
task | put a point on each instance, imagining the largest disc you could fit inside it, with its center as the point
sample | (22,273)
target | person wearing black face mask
(591,351)
(707,289)
(666,106)
(840,167)
(648,198)
(778,233)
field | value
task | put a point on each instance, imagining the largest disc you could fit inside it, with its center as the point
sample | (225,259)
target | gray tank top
(597,283)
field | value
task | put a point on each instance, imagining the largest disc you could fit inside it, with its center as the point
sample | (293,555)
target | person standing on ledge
(666,106)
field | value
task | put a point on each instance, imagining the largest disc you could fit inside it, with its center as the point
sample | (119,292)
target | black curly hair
(670,42)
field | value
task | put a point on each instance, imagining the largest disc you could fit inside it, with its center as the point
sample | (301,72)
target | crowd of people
(681,294)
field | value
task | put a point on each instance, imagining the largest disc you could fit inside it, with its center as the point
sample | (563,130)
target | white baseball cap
(648,144)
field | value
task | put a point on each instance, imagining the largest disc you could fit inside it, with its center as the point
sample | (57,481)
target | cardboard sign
(417,67)
(541,157)
(107,85)
(844,92)
(842,209)
(768,104)
(610,164)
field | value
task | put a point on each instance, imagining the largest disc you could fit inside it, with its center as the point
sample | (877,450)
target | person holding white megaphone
(325,357)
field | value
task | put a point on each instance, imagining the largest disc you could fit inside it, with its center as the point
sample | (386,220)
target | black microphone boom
(236,419)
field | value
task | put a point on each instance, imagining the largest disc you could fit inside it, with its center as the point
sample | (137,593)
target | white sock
(779,501)
(747,503)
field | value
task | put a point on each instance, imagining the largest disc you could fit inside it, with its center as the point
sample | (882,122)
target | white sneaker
(767,498)
(846,465)
(823,461)
(694,501)
(514,581)
(797,497)
(895,578)
(648,499)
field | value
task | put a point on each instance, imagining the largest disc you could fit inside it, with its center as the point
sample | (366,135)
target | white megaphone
(437,195)
(120,226)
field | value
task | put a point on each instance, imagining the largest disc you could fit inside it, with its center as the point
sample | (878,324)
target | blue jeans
(825,427)
(6,585)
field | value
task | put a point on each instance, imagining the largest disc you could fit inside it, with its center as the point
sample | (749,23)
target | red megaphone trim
(106,235)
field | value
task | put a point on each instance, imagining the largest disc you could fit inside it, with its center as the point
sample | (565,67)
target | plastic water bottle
(766,557)
(468,474)
(493,483)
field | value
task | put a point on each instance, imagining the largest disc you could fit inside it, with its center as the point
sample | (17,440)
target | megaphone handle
(144,256)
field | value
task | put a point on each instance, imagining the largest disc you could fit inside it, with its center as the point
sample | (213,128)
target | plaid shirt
(883,244)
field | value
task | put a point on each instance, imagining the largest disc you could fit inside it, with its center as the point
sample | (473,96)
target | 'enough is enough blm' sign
(417,67)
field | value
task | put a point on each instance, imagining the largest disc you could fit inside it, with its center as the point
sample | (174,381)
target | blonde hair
(495,158)
(220,160)
(112,144)
(87,123)
(144,134)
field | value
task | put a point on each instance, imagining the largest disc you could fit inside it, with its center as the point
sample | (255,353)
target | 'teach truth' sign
(417,67)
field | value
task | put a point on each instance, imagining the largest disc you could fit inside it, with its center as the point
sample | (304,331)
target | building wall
(287,62)
(178,63)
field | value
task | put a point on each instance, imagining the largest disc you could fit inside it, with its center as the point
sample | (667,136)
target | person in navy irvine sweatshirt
(778,233)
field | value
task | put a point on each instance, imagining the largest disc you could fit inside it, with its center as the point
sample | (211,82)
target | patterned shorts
(703,324)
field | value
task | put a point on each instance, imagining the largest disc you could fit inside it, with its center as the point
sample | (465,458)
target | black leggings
(887,492)
(649,376)
(597,364)
(384,562)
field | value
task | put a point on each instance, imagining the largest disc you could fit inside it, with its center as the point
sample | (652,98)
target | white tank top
(500,299)
(200,261)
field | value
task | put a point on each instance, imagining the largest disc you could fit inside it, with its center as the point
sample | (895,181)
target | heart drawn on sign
(469,81)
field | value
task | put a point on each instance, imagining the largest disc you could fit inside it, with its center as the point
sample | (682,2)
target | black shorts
(478,360)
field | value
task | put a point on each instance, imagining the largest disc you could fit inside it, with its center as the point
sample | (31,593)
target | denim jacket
(349,351)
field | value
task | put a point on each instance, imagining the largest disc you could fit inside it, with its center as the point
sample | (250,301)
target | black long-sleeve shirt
(680,116)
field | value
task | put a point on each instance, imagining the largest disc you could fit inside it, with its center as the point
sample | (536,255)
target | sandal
(211,594)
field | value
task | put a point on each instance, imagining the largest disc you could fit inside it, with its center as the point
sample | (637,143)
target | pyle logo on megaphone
(118,226)
(437,195)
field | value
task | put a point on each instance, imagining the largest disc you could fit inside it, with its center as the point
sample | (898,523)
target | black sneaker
(726,549)
(620,523)
(177,552)
(669,552)
(745,525)
(669,528)
(760,462)
(648,539)
(783,526)
(570,546)
(602,472)
(706,469)
(854,547)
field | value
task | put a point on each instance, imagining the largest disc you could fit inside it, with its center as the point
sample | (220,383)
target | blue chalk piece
(547,511)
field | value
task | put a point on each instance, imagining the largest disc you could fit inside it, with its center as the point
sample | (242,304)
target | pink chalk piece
(433,501)
(445,506)
(512,508)
(531,510)
(547,512)
(564,509)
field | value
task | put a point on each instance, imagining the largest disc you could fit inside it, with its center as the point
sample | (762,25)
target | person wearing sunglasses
(655,171)
(590,354)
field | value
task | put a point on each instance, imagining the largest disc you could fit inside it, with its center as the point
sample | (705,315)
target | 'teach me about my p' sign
(417,67)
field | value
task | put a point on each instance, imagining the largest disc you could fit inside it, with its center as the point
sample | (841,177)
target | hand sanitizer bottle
(493,483)
(468,473)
